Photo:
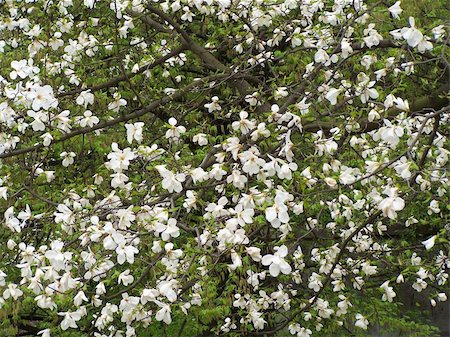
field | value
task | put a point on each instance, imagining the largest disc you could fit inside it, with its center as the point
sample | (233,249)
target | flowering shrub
(219,167)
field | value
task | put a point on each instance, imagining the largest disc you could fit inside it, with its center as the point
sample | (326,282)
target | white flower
(389,133)
(430,242)
(438,32)
(315,282)
(244,125)
(89,3)
(367,92)
(134,131)
(392,204)
(330,182)
(12,291)
(117,103)
(55,255)
(277,214)
(65,215)
(171,182)
(88,119)
(169,230)
(303,332)
(332,95)
(401,104)
(412,35)
(70,319)
(20,68)
(40,118)
(238,179)
(163,314)
(251,162)
(389,293)
(236,259)
(43,98)
(244,215)
(47,139)
(252,99)
(321,56)
(255,253)
(396,10)
(126,278)
(125,252)
(403,167)
(68,158)
(174,132)
(79,298)
(260,131)
(433,207)
(442,297)
(214,105)
(280,93)
(276,262)
(119,160)
(361,321)
(85,98)
(190,201)
(187,15)
(44,333)
(167,289)
(201,139)
(372,38)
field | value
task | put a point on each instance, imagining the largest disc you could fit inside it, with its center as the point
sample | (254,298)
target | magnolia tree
(222,167)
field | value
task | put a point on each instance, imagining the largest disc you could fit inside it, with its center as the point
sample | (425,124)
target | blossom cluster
(253,166)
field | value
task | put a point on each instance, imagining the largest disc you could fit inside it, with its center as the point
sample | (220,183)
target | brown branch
(139,280)
(433,101)
(210,61)
(34,194)
(124,77)
(152,107)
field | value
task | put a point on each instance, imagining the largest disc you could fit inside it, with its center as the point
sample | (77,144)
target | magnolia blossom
(117,103)
(119,160)
(361,322)
(214,105)
(430,242)
(396,10)
(85,98)
(44,333)
(163,314)
(277,214)
(88,119)
(244,125)
(201,139)
(43,98)
(169,230)
(389,133)
(125,278)
(68,158)
(171,182)
(392,204)
(389,293)
(12,291)
(134,132)
(403,168)
(255,253)
(70,319)
(20,69)
(126,253)
(174,132)
(412,35)
(332,95)
(276,262)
